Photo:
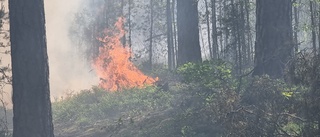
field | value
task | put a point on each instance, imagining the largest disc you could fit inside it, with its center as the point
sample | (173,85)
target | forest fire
(113,66)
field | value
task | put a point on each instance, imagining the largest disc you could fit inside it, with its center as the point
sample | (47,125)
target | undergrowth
(95,104)
(202,101)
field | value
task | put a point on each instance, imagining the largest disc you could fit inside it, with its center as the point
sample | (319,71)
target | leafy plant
(208,74)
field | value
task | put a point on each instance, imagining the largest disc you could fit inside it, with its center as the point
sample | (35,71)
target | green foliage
(293,128)
(276,106)
(266,107)
(210,94)
(204,104)
(207,74)
(304,70)
(95,104)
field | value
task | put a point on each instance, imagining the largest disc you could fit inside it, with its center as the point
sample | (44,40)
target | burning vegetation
(113,64)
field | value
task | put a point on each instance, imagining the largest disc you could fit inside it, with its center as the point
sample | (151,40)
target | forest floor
(113,128)
(169,109)
(206,102)
(149,112)
(153,111)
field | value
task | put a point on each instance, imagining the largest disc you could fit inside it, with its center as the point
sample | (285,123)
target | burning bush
(113,64)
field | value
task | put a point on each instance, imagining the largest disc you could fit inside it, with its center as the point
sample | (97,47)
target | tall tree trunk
(188,32)
(296,28)
(171,62)
(318,34)
(241,42)
(208,28)
(248,31)
(202,41)
(274,43)
(313,33)
(243,45)
(235,37)
(215,48)
(225,30)
(221,40)
(129,23)
(151,34)
(316,85)
(174,23)
(122,8)
(123,39)
(30,71)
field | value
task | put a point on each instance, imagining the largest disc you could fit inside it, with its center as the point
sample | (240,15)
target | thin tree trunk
(236,45)
(122,8)
(30,71)
(129,23)
(243,47)
(208,29)
(174,31)
(215,48)
(316,79)
(318,35)
(296,26)
(220,17)
(171,62)
(202,40)
(313,33)
(151,34)
(123,39)
(248,31)
(226,33)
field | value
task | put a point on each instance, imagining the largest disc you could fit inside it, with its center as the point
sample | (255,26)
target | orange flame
(113,66)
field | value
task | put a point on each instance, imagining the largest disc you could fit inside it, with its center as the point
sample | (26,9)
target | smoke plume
(69,71)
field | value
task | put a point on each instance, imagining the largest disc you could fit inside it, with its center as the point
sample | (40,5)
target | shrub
(207,74)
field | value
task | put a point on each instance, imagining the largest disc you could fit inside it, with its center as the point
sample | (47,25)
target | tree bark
(171,62)
(188,32)
(318,23)
(129,23)
(151,35)
(30,71)
(175,45)
(248,31)
(215,48)
(296,28)
(242,49)
(123,39)
(274,42)
(208,29)
(313,32)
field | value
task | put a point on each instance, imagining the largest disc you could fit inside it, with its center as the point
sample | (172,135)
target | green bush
(265,107)
(207,74)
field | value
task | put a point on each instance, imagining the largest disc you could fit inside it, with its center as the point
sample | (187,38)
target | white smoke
(68,69)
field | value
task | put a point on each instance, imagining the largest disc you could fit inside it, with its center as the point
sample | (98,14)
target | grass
(91,105)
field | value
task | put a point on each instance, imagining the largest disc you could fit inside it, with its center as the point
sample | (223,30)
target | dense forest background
(196,68)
